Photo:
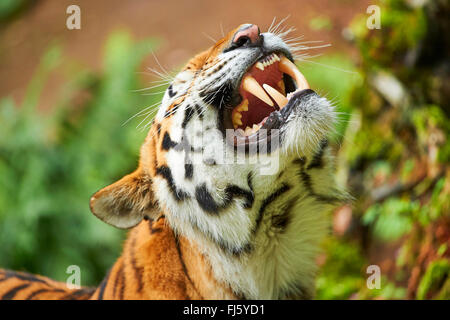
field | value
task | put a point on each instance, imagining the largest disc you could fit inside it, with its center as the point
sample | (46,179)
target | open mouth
(265,89)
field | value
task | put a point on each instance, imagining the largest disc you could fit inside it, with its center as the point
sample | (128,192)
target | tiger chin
(205,225)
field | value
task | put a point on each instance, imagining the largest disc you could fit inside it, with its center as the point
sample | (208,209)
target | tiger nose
(247,34)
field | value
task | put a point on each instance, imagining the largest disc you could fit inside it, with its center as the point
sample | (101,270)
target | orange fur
(155,263)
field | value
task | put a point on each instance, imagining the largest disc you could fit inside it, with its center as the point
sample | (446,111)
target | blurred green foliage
(9,8)
(52,162)
(395,160)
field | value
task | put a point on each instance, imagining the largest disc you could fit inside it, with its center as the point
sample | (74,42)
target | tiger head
(237,161)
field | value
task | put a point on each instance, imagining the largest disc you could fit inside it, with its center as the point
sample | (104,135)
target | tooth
(277,57)
(236,119)
(288,67)
(243,106)
(260,66)
(237,116)
(255,127)
(281,87)
(251,85)
(278,97)
(248,131)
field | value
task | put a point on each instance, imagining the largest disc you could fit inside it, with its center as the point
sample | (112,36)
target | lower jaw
(254,85)
(269,136)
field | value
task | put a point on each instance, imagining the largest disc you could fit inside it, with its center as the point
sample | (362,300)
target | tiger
(233,191)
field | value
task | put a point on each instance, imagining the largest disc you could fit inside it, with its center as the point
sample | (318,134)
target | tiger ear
(126,202)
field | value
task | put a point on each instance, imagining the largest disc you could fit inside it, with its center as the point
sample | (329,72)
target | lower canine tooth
(278,97)
(286,66)
(251,85)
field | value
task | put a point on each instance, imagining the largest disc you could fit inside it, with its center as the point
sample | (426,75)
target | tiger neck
(280,261)
(156,264)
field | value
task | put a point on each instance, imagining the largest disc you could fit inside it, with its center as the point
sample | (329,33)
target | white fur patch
(281,262)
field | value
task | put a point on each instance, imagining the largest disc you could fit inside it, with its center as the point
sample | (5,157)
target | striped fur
(203,228)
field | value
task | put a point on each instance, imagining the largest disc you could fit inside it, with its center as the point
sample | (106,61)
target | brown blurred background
(185,27)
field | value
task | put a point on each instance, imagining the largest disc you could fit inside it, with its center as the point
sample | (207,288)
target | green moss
(343,271)
(437,274)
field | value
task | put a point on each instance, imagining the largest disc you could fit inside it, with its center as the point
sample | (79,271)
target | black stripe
(119,275)
(205,200)
(103,285)
(158,129)
(123,285)
(220,242)
(167,142)
(188,170)
(199,111)
(267,201)
(137,270)
(209,205)
(153,230)
(188,113)
(170,91)
(80,293)
(11,293)
(34,293)
(165,172)
(171,111)
(250,180)
(234,191)
(218,98)
(305,179)
(281,221)
(183,265)
(22,276)
(317,160)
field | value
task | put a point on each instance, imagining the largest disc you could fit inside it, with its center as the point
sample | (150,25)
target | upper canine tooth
(278,97)
(251,85)
(260,66)
(281,87)
(288,67)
